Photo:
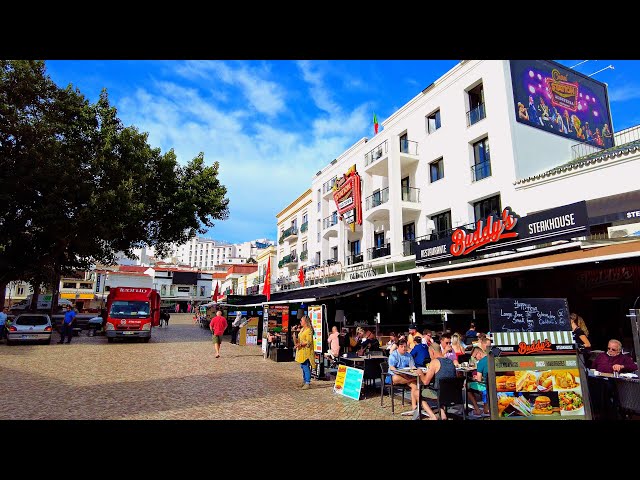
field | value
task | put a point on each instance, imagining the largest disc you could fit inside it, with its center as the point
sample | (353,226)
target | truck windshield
(129,309)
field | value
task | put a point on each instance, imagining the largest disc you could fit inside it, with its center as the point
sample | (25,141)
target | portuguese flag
(375,123)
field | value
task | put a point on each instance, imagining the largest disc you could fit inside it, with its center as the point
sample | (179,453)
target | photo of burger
(542,405)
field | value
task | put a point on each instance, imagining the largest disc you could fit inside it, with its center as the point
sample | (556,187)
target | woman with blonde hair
(580,336)
(304,351)
(457,345)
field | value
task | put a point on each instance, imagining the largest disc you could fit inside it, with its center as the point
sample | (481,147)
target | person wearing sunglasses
(614,360)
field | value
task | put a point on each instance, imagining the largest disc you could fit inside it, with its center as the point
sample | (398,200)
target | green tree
(77,186)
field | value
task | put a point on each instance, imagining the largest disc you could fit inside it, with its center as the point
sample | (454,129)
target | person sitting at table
(368,342)
(400,358)
(614,360)
(355,341)
(413,331)
(426,337)
(447,349)
(440,367)
(471,333)
(334,345)
(391,343)
(478,387)
(457,345)
(420,353)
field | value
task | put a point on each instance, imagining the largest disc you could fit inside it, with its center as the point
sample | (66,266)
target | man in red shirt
(217,326)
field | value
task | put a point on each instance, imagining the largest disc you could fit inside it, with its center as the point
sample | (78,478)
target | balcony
(378,252)
(410,194)
(376,154)
(353,259)
(327,187)
(304,227)
(409,147)
(626,137)
(481,170)
(288,260)
(476,114)
(330,221)
(377,199)
(407,247)
(304,255)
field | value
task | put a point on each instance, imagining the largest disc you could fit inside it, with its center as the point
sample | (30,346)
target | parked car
(29,327)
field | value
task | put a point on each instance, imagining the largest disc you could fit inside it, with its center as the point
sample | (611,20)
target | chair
(384,373)
(450,394)
(628,396)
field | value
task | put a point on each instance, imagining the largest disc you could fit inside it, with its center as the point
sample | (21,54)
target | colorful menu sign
(537,374)
(348,198)
(315,314)
(538,387)
(349,382)
(506,231)
(265,330)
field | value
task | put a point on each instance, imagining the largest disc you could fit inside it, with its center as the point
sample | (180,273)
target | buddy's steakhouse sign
(506,232)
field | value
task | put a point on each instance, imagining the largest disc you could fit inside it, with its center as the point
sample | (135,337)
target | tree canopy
(77,186)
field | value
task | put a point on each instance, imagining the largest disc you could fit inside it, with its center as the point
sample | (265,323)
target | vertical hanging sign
(315,314)
(348,198)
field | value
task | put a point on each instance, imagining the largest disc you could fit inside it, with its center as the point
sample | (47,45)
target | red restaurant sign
(348,198)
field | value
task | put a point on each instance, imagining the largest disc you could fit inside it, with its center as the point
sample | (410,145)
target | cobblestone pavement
(174,376)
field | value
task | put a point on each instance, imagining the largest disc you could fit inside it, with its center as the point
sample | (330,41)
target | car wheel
(110,339)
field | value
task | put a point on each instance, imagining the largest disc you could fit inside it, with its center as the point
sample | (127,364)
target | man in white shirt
(235,328)
(3,320)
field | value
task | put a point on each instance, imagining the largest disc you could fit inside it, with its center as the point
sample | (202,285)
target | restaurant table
(467,372)
(413,372)
(613,397)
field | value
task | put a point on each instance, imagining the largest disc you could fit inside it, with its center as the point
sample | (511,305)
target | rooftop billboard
(561,101)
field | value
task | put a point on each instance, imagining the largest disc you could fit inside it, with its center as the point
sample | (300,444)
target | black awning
(333,290)
(613,208)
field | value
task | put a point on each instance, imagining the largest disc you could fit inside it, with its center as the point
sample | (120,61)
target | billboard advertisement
(561,101)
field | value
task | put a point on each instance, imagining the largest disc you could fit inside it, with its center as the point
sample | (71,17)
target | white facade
(205,253)
(424,171)
(293,239)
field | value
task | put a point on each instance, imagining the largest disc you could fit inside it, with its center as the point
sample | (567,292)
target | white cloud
(319,92)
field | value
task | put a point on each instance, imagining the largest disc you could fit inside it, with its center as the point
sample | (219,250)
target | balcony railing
(287,259)
(409,146)
(353,259)
(481,170)
(377,199)
(328,186)
(476,114)
(377,252)
(304,254)
(329,261)
(304,227)
(411,194)
(376,153)
(620,139)
(407,247)
(330,221)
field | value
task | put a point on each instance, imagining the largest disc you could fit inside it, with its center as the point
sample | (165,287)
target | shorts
(217,338)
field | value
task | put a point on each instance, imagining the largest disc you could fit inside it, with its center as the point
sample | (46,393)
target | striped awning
(514,338)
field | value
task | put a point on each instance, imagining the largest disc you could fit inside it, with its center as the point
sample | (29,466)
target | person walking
(3,321)
(304,351)
(235,328)
(66,329)
(217,326)
(177,308)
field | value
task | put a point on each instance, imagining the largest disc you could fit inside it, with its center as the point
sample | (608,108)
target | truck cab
(131,313)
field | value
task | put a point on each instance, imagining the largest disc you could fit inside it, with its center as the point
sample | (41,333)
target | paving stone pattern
(174,376)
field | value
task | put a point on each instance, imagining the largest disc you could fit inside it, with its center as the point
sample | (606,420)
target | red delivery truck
(132,312)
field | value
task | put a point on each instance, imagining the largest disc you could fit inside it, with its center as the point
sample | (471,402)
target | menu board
(349,382)
(315,314)
(265,330)
(528,314)
(538,387)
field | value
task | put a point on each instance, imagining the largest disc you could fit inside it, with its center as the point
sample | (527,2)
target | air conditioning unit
(621,231)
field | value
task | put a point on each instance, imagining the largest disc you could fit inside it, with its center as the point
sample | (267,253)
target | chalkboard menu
(528,315)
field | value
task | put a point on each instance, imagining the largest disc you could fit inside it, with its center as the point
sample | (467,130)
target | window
(317,258)
(442,223)
(334,253)
(481,160)
(305,218)
(409,231)
(436,170)
(355,247)
(318,200)
(304,246)
(20,291)
(433,121)
(378,239)
(476,105)
(486,207)
(86,286)
(404,143)
(68,284)
(404,188)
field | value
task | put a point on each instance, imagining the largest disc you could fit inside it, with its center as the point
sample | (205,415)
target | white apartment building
(449,157)
(293,240)
(205,253)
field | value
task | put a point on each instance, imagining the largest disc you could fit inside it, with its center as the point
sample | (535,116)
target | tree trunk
(33,304)
(3,291)
(55,289)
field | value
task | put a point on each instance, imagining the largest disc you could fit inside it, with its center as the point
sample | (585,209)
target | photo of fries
(525,381)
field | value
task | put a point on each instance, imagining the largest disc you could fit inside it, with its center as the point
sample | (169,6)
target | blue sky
(273,124)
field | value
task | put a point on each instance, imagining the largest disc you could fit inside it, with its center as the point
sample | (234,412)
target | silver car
(29,327)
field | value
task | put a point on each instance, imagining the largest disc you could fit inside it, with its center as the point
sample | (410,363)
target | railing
(409,146)
(377,199)
(353,259)
(304,254)
(410,194)
(292,258)
(328,186)
(290,231)
(376,153)
(476,114)
(481,170)
(330,221)
(407,247)
(377,252)
(304,227)
(329,261)
(620,139)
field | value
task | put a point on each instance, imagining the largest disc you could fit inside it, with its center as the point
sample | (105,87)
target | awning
(618,251)
(79,296)
(613,208)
